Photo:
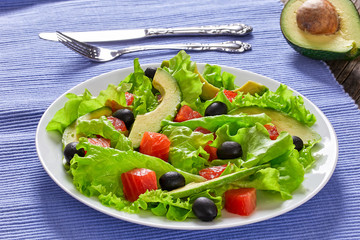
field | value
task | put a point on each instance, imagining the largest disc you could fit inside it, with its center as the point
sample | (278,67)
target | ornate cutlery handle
(230,46)
(229,29)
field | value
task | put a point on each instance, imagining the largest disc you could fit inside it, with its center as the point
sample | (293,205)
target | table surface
(347,73)
(34,73)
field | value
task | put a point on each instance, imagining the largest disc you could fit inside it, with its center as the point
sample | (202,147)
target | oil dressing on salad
(184,144)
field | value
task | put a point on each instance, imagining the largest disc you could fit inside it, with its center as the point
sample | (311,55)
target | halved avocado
(322,29)
(70,135)
(151,121)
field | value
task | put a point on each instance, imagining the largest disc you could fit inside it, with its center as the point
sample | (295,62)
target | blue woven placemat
(33,73)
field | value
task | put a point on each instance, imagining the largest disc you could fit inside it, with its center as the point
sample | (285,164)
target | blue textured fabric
(33,73)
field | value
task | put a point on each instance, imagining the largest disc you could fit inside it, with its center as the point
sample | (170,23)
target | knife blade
(238,29)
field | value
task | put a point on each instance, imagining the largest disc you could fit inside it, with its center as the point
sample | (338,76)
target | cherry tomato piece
(186,113)
(138,181)
(212,172)
(240,201)
(156,145)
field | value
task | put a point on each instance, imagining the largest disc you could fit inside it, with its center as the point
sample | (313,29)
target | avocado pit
(317,17)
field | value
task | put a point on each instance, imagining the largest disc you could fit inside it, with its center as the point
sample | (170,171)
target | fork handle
(230,46)
(227,29)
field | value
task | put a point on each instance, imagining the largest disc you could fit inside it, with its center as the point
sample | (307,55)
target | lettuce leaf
(286,171)
(212,123)
(186,149)
(103,167)
(284,176)
(70,112)
(282,99)
(183,70)
(291,173)
(212,74)
(104,128)
(257,147)
(305,157)
(160,204)
(141,86)
(201,106)
(79,105)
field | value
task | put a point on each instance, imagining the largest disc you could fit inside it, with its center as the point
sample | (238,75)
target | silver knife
(117,35)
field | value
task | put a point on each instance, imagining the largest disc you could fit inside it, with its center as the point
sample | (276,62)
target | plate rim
(103,209)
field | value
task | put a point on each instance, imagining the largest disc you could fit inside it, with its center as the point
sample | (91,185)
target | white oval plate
(326,153)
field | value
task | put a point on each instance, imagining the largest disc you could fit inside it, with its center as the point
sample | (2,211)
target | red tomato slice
(137,181)
(272,131)
(156,145)
(229,94)
(186,113)
(212,172)
(129,98)
(240,201)
(117,123)
(211,151)
(202,130)
(102,142)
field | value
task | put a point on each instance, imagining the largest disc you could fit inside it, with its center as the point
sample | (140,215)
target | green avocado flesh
(151,121)
(193,188)
(252,88)
(70,135)
(283,122)
(343,44)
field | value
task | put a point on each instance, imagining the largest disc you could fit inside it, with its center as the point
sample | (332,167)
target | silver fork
(100,54)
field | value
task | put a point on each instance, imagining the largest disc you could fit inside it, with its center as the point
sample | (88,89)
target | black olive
(171,180)
(126,116)
(70,150)
(204,209)
(150,72)
(229,150)
(216,108)
(298,142)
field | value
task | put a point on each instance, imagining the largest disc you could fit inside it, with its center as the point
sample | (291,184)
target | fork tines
(84,49)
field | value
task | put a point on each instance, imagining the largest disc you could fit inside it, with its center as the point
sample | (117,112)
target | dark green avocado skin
(322,55)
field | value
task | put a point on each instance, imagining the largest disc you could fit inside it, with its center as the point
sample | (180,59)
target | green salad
(184,144)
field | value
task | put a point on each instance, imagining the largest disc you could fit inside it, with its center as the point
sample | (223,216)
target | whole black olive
(204,209)
(150,72)
(298,142)
(126,116)
(216,108)
(229,150)
(70,150)
(171,180)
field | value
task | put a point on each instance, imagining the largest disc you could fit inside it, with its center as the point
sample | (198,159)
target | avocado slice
(193,188)
(252,88)
(310,27)
(209,91)
(283,122)
(70,134)
(151,121)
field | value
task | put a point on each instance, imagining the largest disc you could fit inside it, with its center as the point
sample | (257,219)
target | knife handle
(229,29)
